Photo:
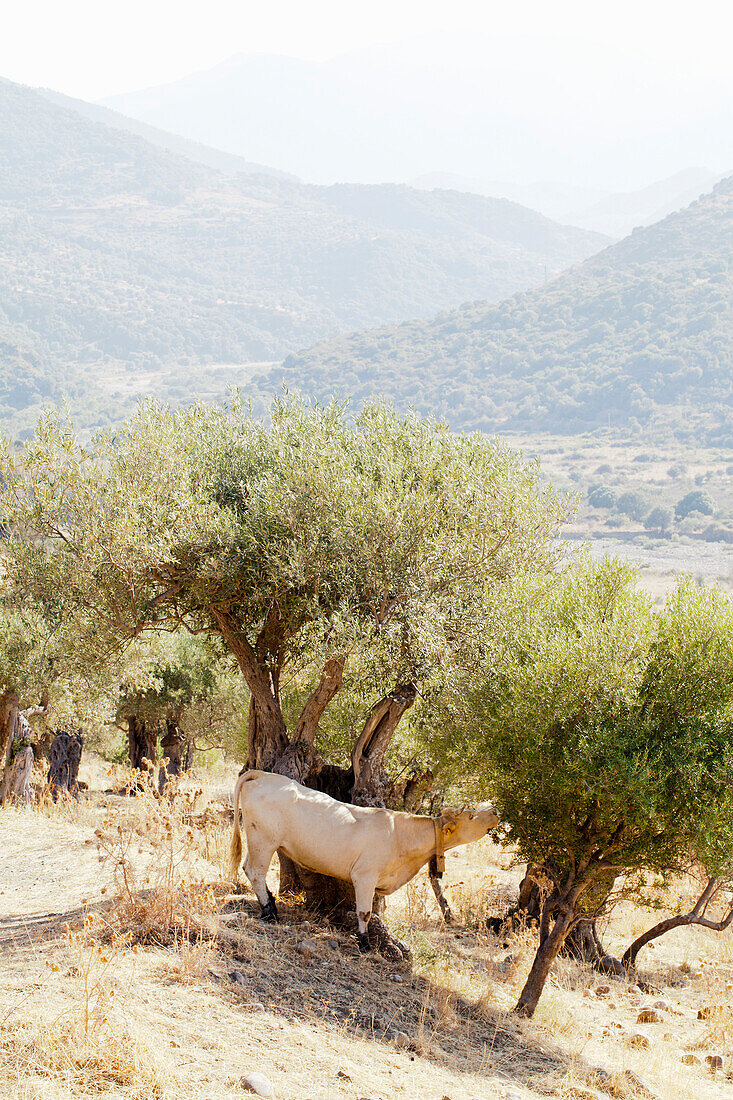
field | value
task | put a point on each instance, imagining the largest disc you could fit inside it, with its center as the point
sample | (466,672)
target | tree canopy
(301,543)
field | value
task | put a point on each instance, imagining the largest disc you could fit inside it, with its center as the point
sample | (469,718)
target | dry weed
(89,1046)
(156,865)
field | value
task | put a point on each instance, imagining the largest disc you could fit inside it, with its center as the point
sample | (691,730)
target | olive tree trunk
(142,740)
(63,772)
(174,747)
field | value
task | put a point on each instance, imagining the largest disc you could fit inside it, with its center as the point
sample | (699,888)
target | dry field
(131,970)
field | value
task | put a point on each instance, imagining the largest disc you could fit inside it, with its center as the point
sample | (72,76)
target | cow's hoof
(269,913)
(363,941)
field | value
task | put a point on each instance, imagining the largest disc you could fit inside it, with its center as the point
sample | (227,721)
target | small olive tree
(604,732)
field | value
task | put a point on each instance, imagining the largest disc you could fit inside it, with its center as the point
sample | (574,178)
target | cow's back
(309,826)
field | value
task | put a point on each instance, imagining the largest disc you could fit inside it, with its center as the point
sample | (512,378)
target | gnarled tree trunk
(173,745)
(16,782)
(142,740)
(63,772)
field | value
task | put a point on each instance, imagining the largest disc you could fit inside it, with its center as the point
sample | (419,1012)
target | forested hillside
(118,256)
(639,335)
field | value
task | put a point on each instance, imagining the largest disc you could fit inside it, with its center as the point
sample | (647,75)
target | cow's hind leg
(256,866)
(364,893)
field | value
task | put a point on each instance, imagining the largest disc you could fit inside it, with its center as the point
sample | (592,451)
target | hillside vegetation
(639,336)
(118,256)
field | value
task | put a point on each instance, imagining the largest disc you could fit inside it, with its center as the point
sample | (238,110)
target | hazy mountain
(228,163)
(119,258)
(640,336)
(556,200)
(614,214)
(491,107)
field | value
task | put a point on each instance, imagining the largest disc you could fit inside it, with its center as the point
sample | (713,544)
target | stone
(704,1013)
(237,976)
(258,1084)
(396,978)
(662,1005)
(602,990)
(638,1084)
(648,1016)
(600,1074)
(714,1062)
(306,948)
(256,1006)
(637,1039)
(691,1060)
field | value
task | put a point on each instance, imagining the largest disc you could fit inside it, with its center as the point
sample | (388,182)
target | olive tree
(177,688)
(604,732)
(309,545)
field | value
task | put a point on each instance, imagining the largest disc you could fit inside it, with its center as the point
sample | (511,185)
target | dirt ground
(91,1006)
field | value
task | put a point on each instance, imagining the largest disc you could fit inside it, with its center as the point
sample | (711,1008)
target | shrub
(699,500)
(602,497)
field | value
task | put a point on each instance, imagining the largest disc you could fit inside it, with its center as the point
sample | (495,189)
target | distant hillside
(615,214)
(118,257)
(639,335)
(228,163)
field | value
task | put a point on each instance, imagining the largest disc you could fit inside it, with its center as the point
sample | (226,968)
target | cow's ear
(449,828)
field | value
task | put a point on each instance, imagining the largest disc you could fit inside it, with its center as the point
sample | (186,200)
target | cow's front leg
(364,893)
(256,867)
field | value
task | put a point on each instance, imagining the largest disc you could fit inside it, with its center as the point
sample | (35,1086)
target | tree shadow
(304,970)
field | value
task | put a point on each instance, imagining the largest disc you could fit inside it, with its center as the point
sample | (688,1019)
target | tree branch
(328,686)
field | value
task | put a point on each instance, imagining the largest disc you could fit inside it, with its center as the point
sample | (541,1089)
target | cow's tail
(235,849)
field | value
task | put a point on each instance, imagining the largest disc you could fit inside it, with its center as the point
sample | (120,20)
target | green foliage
(602,496)
(698,500)
(659,519)
(313,536)
(604,730)
(663,298)
(632,504)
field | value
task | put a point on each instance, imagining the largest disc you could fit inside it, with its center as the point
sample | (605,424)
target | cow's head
(464,826)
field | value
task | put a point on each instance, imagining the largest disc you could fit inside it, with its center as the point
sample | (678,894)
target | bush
(659,519)
(602,497)
(699,500)
(632,504)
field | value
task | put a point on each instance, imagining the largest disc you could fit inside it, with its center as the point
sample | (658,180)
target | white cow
(376,850)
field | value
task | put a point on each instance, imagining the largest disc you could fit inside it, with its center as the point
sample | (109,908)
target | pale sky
(92,49)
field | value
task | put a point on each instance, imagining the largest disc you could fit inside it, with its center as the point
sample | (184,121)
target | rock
(661,1005)
(602,990)
(237,976)
(256,1006)
(714,1062)
(396,978)
(634,989)
(704,1013)
(638,1084)
(637,1039)
(306,948)
(600,1074)
(258,1084)
(691,1060)
(648,1016)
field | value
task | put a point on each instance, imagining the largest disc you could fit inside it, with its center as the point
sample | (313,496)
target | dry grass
(168,985)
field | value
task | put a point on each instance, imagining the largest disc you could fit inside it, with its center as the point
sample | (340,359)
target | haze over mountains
(486,107)
(639,336)
(121,258)
(590,207)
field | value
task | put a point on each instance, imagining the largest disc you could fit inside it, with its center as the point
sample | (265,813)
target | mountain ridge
(640,334)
